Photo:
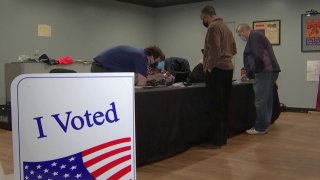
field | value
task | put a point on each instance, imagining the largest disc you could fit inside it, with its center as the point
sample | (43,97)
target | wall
(180,33)
(80,28)
(83,28)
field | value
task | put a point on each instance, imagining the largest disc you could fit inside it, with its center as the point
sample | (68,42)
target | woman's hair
(154,51)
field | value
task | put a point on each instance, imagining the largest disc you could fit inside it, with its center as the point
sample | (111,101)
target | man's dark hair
(154,51)
(208,10)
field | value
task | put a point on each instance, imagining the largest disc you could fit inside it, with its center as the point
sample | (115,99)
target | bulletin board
(270,28)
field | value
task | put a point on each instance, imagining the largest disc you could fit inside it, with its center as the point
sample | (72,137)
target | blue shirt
(124,59)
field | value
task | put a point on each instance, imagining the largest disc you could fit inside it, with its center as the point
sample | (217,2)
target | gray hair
(243,26)
(208,10)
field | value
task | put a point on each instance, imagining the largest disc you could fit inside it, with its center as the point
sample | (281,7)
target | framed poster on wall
(270,28)
(310,32)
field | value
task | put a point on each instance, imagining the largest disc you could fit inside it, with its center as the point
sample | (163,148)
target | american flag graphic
(111,160)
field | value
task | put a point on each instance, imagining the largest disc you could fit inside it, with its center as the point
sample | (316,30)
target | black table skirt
(171,120)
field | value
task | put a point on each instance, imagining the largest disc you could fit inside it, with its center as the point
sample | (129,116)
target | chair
(178,67)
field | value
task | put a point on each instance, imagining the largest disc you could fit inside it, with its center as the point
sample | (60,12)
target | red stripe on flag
(106,155)
(105,145)
(120,173)
(110,165)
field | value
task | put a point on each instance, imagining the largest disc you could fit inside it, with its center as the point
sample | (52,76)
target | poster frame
(314,41)
(273,34)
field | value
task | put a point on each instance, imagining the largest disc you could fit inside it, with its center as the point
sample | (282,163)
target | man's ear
(151,59)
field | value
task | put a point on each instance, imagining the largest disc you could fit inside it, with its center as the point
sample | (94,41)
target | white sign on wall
(313,70)
(73,126)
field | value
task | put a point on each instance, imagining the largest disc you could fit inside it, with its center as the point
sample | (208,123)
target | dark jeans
(219,84)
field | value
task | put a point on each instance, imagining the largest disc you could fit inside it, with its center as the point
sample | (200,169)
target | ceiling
(160,3)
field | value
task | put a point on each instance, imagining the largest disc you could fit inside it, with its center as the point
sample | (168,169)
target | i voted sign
(73,126)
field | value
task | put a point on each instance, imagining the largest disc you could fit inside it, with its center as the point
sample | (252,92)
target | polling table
(170,120)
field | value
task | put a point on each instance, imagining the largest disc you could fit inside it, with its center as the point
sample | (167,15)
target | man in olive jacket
(219,49)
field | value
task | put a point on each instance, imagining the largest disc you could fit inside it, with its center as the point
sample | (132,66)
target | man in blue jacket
(126,58)
(261,63)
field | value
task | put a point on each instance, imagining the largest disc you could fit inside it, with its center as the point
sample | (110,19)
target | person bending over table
(126,58)
(261,62)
